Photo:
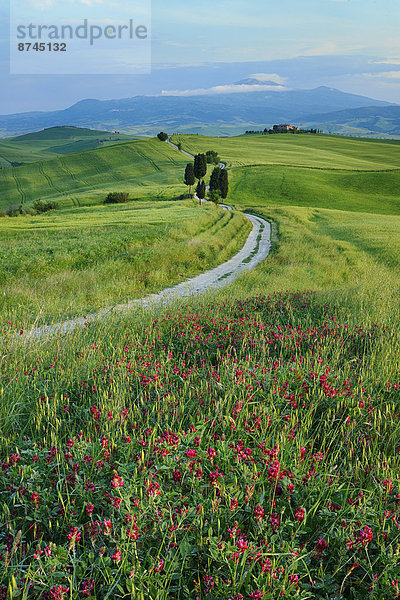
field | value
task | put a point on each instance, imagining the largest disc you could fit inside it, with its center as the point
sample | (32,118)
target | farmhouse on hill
(284,128)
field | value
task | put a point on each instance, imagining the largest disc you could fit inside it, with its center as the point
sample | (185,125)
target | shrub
(29,211)
(162,136)
(117,198)
(13,211)
(42,207)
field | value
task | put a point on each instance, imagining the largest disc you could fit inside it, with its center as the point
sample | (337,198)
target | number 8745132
(42,47)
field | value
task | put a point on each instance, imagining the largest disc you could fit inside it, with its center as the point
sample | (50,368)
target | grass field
(143,168)
(55,141)
(372,191)
(321,151)
(74,261)
(239,446)
(309,171)
(327,250)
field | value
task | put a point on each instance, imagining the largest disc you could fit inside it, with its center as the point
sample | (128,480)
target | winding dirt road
(254,251)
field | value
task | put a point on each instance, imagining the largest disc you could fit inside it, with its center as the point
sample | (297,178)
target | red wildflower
(299,514)
(35,499)
(117,481)
(322,544)
(159,567)
(74,536)
(117,556)
(258,512)
(274,521)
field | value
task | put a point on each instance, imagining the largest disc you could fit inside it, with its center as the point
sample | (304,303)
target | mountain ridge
(222,114)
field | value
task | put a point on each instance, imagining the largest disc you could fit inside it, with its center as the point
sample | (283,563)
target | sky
(204,46)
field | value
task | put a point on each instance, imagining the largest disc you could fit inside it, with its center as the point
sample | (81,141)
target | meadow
(144,168)
(75,261)
(242,445)
(369,191)
(313,151)
(309,171)
(238,449)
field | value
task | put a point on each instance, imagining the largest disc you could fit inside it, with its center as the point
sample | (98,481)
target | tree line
(291,131)
(219,180)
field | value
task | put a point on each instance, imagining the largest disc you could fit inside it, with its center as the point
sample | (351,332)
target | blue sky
(350,44)
(265,29)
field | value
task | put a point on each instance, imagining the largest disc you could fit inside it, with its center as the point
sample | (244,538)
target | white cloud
(225,89)
(324,48)
(384,75)
(387,61)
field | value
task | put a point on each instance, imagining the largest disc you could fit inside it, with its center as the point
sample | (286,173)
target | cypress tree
(201,190)
(189,177)
(224,183)
(215,178)
(204,163)
(200,166)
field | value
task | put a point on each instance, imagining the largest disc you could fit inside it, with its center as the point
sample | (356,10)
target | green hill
(307,170)
(242,442)
(314,151)
(301,170)
(144,168)
(44,144)
(77,260)
(370,191)
(59,133)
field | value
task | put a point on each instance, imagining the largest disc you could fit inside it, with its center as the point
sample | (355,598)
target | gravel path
(254,251)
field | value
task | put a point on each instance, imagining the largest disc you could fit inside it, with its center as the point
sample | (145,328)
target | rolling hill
(306,170)
(144,168)
(54,141)
(302,170)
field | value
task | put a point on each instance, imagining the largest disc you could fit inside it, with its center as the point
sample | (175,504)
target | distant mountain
(369,120)
(220,114)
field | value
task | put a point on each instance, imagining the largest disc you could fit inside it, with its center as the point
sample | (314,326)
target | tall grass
(74,262)
(244,449)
